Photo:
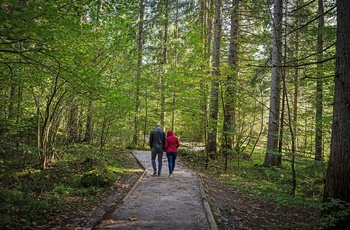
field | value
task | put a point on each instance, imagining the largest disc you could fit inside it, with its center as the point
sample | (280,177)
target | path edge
(207,209)
(138,180)
(94,225)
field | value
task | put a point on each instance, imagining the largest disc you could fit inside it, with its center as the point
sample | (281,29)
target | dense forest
(232,78)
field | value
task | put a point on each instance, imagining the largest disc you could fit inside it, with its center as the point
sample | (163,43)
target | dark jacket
(157,139)
(171,142)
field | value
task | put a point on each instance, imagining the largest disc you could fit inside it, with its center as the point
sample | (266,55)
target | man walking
(156,142)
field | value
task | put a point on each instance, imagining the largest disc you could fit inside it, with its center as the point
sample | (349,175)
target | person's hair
(158,125)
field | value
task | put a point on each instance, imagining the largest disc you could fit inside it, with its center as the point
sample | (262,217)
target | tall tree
(319,86)
(176,36)
(138,73)
(207,36)
(296,79)
(214,95)
(73,122)
(337,179)
(88,125)
(272,157)
(230,95)
(164,61)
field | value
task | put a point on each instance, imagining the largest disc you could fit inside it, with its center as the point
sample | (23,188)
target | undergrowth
(29,194)
(247,176)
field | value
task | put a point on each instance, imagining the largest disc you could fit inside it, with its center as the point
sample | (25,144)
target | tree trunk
(272,157)
(229,107)
(214,95)
(88,132)
(138,74)
(293,126)
(103,132)
(145,132)
(296,83)
(49,118)
(337,178)
(11,110)
(319,87)
(164,62)
(73,124)
(207,25)
(173,104)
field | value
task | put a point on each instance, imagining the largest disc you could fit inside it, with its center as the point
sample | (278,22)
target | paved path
(158,202)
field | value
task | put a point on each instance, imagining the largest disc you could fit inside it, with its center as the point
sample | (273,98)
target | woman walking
(171,145)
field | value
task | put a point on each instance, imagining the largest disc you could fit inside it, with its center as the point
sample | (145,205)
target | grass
(28,193)
(271,184)
(250,176)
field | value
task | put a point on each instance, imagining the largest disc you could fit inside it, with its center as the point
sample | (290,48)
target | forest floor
(236,211)
(231,209)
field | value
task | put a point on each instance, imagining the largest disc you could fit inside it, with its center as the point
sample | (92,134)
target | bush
(94,179)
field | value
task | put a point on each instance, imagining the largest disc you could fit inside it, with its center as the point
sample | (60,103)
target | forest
(257,92)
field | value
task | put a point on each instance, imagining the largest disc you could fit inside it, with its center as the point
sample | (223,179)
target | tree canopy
(234,77)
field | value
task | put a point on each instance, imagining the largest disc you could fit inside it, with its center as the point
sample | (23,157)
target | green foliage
(59,55)
(82,175)
(336,214)
(16,206)
(94,179)
(270,184)
(183,152)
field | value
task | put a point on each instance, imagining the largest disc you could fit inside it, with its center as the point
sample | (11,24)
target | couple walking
(159,144)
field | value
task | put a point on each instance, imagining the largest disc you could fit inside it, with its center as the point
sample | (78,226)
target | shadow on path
(158,202)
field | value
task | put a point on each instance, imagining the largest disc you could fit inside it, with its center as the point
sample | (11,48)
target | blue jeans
(154,154)
(171,161)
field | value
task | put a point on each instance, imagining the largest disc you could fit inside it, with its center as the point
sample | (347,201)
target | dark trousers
(157,153)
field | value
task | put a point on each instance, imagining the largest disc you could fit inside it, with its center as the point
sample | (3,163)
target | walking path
(159,202)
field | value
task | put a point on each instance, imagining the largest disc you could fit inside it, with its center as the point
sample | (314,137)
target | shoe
(170,176)
(158,174)
(155,173)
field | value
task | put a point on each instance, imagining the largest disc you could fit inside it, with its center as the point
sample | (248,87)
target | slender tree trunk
(230,95)
(145,133)
(138,74)
(88,132)
(73,123)
(319,87)
(52,106)
(272,157)
(103,132)
(261,125)
(337,178)
(281,130)
(207,23)
(214,94)
(296,82)
(293,126)
(11,110)
(206,35)
(173,107)
(164,62)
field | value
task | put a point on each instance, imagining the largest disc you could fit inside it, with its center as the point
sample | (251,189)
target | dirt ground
(234,211)
(87,216)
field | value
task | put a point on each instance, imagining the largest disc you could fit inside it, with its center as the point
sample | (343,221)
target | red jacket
(171,142)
